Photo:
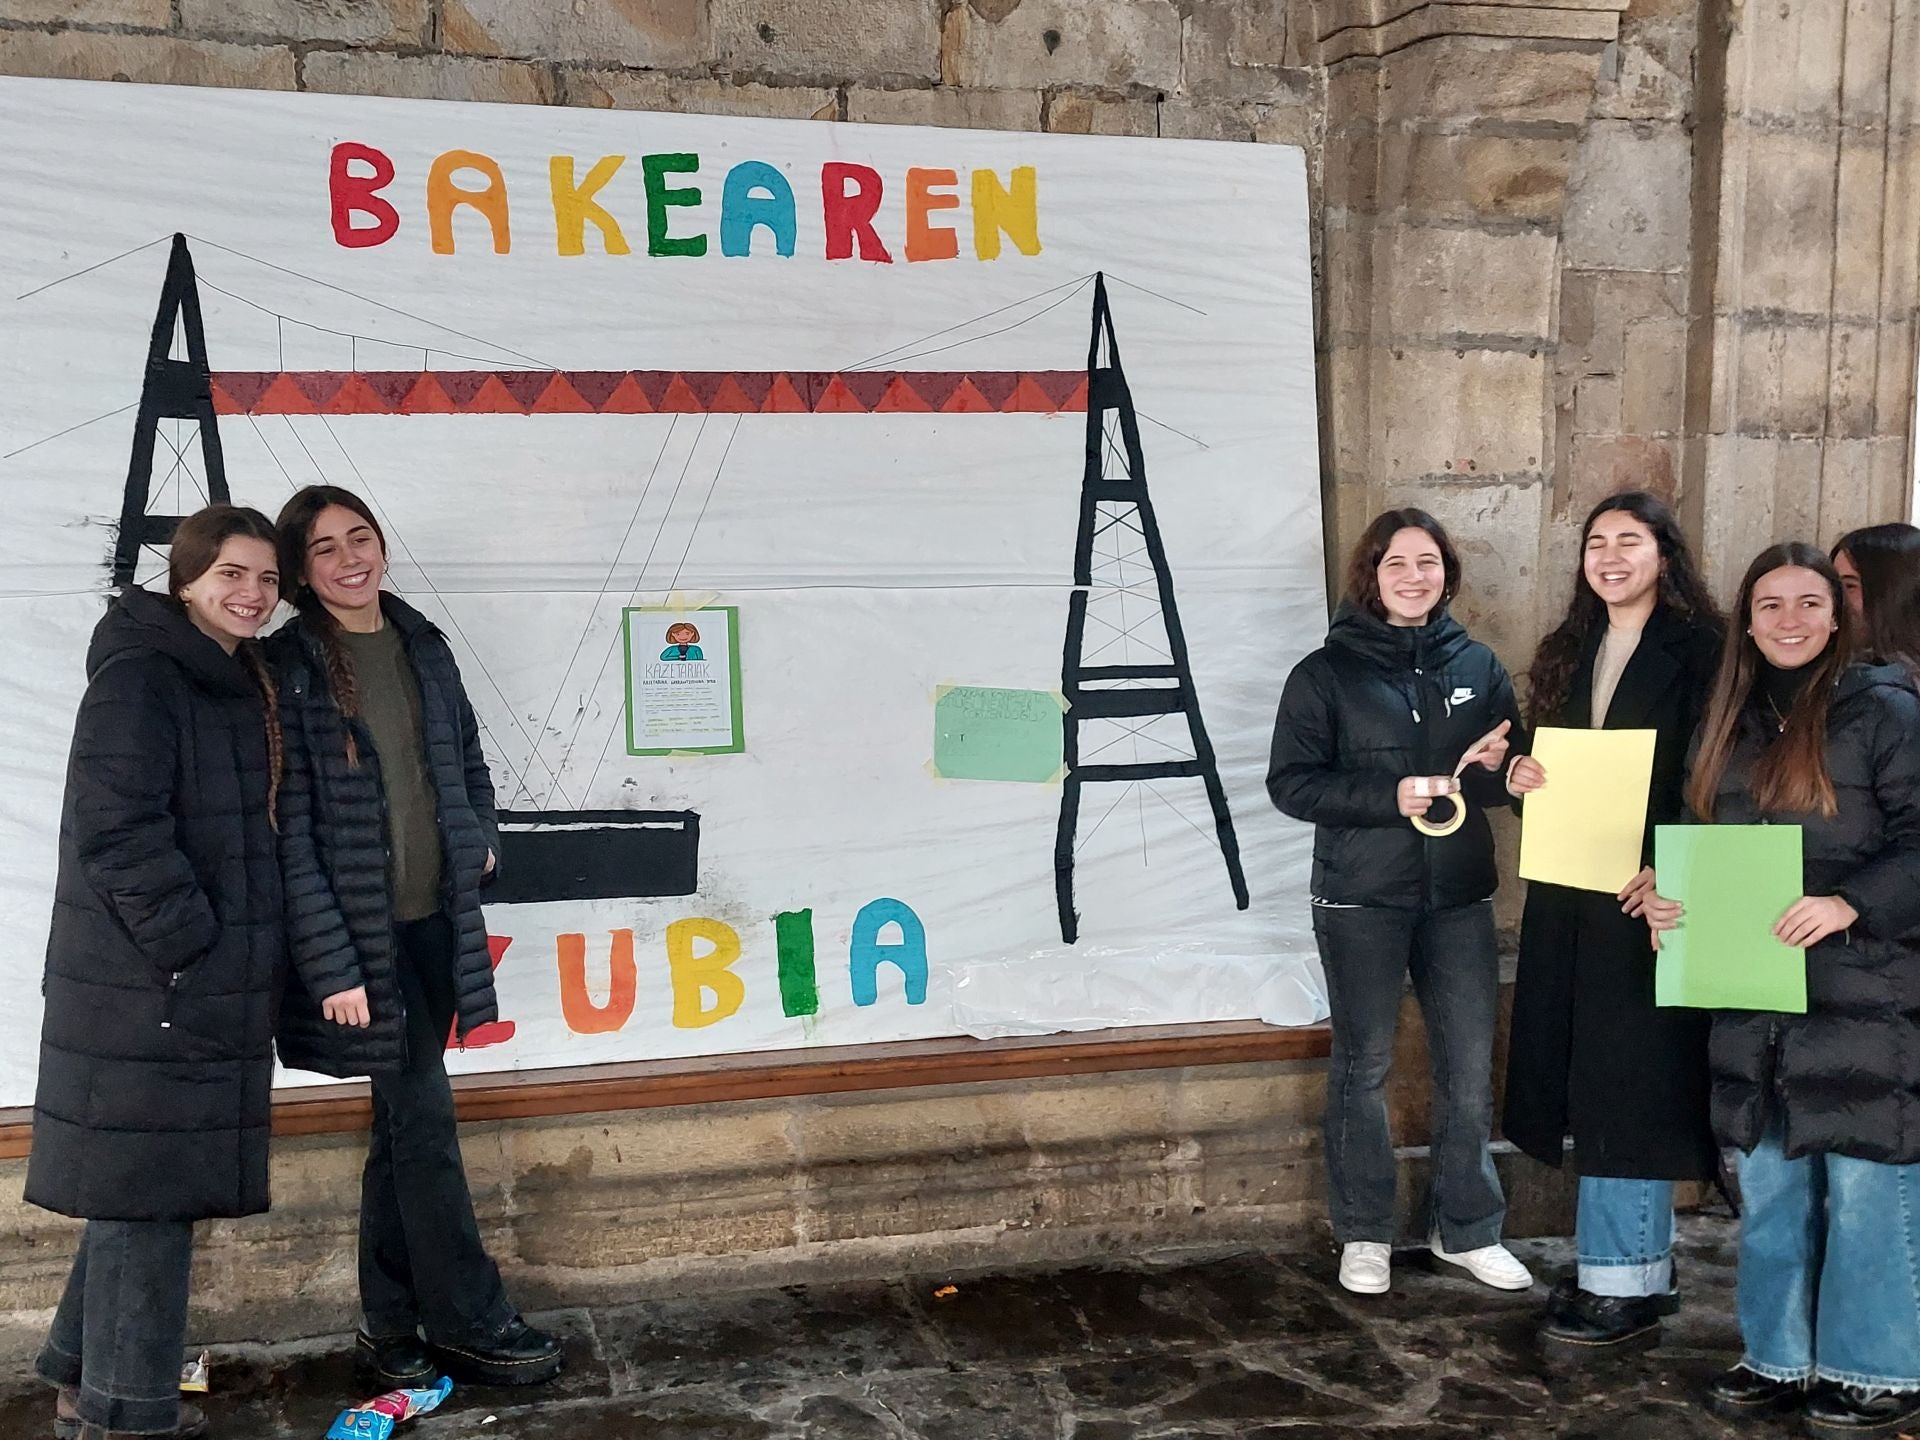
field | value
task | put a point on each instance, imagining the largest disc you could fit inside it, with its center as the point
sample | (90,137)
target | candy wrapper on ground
(193,1375)
(376,1418)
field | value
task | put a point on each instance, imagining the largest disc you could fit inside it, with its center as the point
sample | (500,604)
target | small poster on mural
(683,681)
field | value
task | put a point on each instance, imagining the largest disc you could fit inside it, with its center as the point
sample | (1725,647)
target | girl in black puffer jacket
(1372,726)
(165,957)
(387,834)
(1825,1105)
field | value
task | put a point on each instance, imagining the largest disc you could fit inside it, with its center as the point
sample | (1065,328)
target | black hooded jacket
(1844,1078)
(1376,704)
(166,951)
(333,846)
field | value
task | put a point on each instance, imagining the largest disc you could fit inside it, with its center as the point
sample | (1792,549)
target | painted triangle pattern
(648,392)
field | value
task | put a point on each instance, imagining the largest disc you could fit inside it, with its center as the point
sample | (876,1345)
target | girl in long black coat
(387,833)
(1591,1056)
(165,955)
(1825,1105)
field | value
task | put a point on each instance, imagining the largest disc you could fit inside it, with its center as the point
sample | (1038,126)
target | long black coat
(1591,1055)
(1375,704)
(333,851)
(1845,1077)
(166,950)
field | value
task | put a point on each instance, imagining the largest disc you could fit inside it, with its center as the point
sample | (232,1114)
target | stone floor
(1170,1347)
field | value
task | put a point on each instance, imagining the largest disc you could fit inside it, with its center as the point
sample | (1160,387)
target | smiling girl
(1372,728)
(156,1050)
(388,834)
(1824,1106)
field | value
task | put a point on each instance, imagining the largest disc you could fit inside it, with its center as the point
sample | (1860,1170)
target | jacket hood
(139,622)
(1861,677)
(1397,647)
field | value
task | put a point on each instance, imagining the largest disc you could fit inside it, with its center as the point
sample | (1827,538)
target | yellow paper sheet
(1585,827)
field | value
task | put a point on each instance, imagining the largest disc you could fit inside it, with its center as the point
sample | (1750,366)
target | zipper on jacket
(166,1010)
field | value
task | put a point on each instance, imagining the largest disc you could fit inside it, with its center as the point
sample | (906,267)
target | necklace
(1779,719)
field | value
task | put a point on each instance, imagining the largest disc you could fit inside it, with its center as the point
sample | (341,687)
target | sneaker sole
(468,1369)
(1756,1409)
(1645,1338)
(1902,1426)
(1369,1288)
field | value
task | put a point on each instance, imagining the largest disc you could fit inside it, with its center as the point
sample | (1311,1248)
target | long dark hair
(1887,559)
(1363,565)
(1792,777)
(1681,590)
(196,546)
(296,521)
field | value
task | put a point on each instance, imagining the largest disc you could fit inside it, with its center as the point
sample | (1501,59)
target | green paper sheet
(981,733)
(1736,881)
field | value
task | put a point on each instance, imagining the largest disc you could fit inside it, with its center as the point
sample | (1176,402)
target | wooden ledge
(774,1074)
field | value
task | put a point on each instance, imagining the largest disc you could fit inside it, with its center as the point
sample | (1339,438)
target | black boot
(392,1362)
(1743,1394)
(1588,1323)
(515,1354)
(1850,1410)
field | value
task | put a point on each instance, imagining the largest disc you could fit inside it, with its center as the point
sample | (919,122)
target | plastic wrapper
(377,1418)
(193,1374)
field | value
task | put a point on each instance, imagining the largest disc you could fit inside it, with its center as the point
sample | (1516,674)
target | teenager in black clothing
(1373,727)
(387,833)
(1880,568)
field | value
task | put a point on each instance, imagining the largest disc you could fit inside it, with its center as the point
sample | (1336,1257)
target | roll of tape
(1446,827)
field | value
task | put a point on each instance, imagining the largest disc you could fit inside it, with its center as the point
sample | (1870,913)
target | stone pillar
(1805,286)
(1451,134)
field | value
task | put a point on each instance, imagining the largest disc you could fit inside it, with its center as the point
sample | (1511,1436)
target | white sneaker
(1366,1267)
(1493,1265)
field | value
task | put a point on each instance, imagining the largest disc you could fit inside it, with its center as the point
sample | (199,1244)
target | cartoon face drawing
(683,642)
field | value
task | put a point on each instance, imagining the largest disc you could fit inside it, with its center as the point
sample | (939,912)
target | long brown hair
(1887,559)
(196,546)
(1792,777)
(1363,565)
(296,521)
(1681,591)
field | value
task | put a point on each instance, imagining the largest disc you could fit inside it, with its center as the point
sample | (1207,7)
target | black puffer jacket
(1845,1077)
(166,953)
(1375,704)
(333,851)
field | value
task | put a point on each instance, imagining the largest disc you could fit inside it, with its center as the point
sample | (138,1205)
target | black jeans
(1366,953)
(422,1262)
(122,1323)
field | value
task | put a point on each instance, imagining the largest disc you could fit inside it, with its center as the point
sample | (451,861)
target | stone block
(1354,96)
(1861,205)
(1596,404)
(1894,398)
(429,77)
(1793,58)
(1210,68)
(1738,509)
(1350,171)
(1853,374)
(1074,112)
(641,90)
(1786,223)
(1468,79)
(659,33)
(1846,490)
(1651,76)
(1287,123)
(1892,475)
(1781,377)
(1653,394)
(1866,62)
(1470,414)
(945,105)
(1440,283)
(1499,177)
(1900,228)
(1496,528)
(1629,198)
(1039,43)
(352,22)
(1903,103)
(146,59)
(148,14)
(1258,32)
(830,39)
(1606,464)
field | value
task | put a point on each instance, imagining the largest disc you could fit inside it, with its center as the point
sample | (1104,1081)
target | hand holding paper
(1586,829)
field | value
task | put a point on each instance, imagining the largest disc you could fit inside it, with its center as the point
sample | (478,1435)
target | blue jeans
(1623,1231)
(1830,1268)
(122,1323)
(1367,953)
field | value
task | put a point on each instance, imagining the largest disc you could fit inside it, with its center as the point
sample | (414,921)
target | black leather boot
(1742,1394)
(392,1362)
(515,1354)
(1850,1410)
(1588,1323)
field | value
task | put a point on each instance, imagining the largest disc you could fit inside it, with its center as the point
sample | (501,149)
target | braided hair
(296,522)
(195,549)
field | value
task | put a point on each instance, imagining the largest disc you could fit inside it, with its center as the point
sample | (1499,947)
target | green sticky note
(980,733)
(1735,881)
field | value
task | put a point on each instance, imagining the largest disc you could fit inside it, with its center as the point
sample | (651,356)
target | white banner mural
(874,553)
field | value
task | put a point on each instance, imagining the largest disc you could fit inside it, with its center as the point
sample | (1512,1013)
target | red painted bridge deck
(648,392)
